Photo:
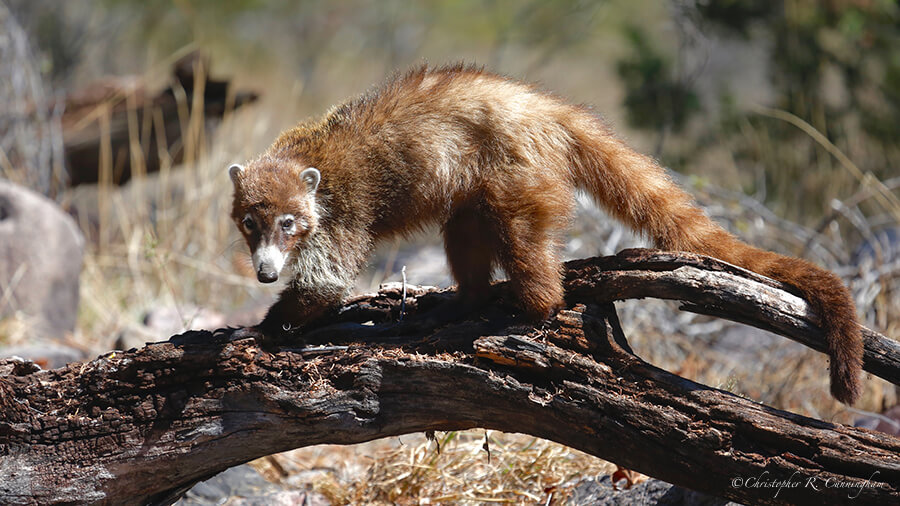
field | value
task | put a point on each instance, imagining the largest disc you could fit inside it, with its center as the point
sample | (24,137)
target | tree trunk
(144,425)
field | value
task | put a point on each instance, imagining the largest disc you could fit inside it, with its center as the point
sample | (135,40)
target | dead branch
(142,426)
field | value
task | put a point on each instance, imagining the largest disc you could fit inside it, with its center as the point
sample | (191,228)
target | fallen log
(142,426)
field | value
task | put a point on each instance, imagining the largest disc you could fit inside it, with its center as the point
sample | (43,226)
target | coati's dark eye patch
(249,224)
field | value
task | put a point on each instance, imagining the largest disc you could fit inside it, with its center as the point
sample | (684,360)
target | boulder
(41,253)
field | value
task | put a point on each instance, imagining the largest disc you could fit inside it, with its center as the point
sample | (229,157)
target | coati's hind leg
(471,243)
(531,261)
(530,227)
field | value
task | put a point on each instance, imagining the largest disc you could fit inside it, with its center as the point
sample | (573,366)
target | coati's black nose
(266,275)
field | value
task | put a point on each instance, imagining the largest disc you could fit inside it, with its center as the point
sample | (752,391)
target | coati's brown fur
(495,163)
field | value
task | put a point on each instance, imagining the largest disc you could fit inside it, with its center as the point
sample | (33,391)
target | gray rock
(243,486)
(599,491)
(41,252)
(239,481)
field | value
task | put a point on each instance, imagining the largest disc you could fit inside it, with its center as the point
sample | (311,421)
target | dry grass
(165,239)
(519,469)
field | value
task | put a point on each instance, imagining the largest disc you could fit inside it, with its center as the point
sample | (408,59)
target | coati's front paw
(249,333)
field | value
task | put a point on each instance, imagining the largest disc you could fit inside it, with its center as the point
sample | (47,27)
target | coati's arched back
(495,163)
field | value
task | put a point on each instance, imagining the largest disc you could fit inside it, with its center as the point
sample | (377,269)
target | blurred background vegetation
(691,78)
(782,117)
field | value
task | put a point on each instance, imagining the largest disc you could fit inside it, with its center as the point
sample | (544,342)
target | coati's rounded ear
(311,177)
(235,171)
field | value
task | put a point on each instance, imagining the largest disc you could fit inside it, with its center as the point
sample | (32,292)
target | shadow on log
(142,426)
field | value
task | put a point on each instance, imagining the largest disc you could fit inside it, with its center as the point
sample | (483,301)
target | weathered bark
(143,425)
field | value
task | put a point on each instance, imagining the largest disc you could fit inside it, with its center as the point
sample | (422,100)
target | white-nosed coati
(495,163)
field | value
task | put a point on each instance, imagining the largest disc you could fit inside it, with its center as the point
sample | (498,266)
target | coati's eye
(287,224)
(249,224)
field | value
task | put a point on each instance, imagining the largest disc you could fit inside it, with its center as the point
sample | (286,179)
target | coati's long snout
(274,218)
(268,260)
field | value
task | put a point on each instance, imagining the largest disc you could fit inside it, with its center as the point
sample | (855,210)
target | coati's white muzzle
(268,261)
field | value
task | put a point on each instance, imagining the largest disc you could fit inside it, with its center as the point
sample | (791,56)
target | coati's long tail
(636,190)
